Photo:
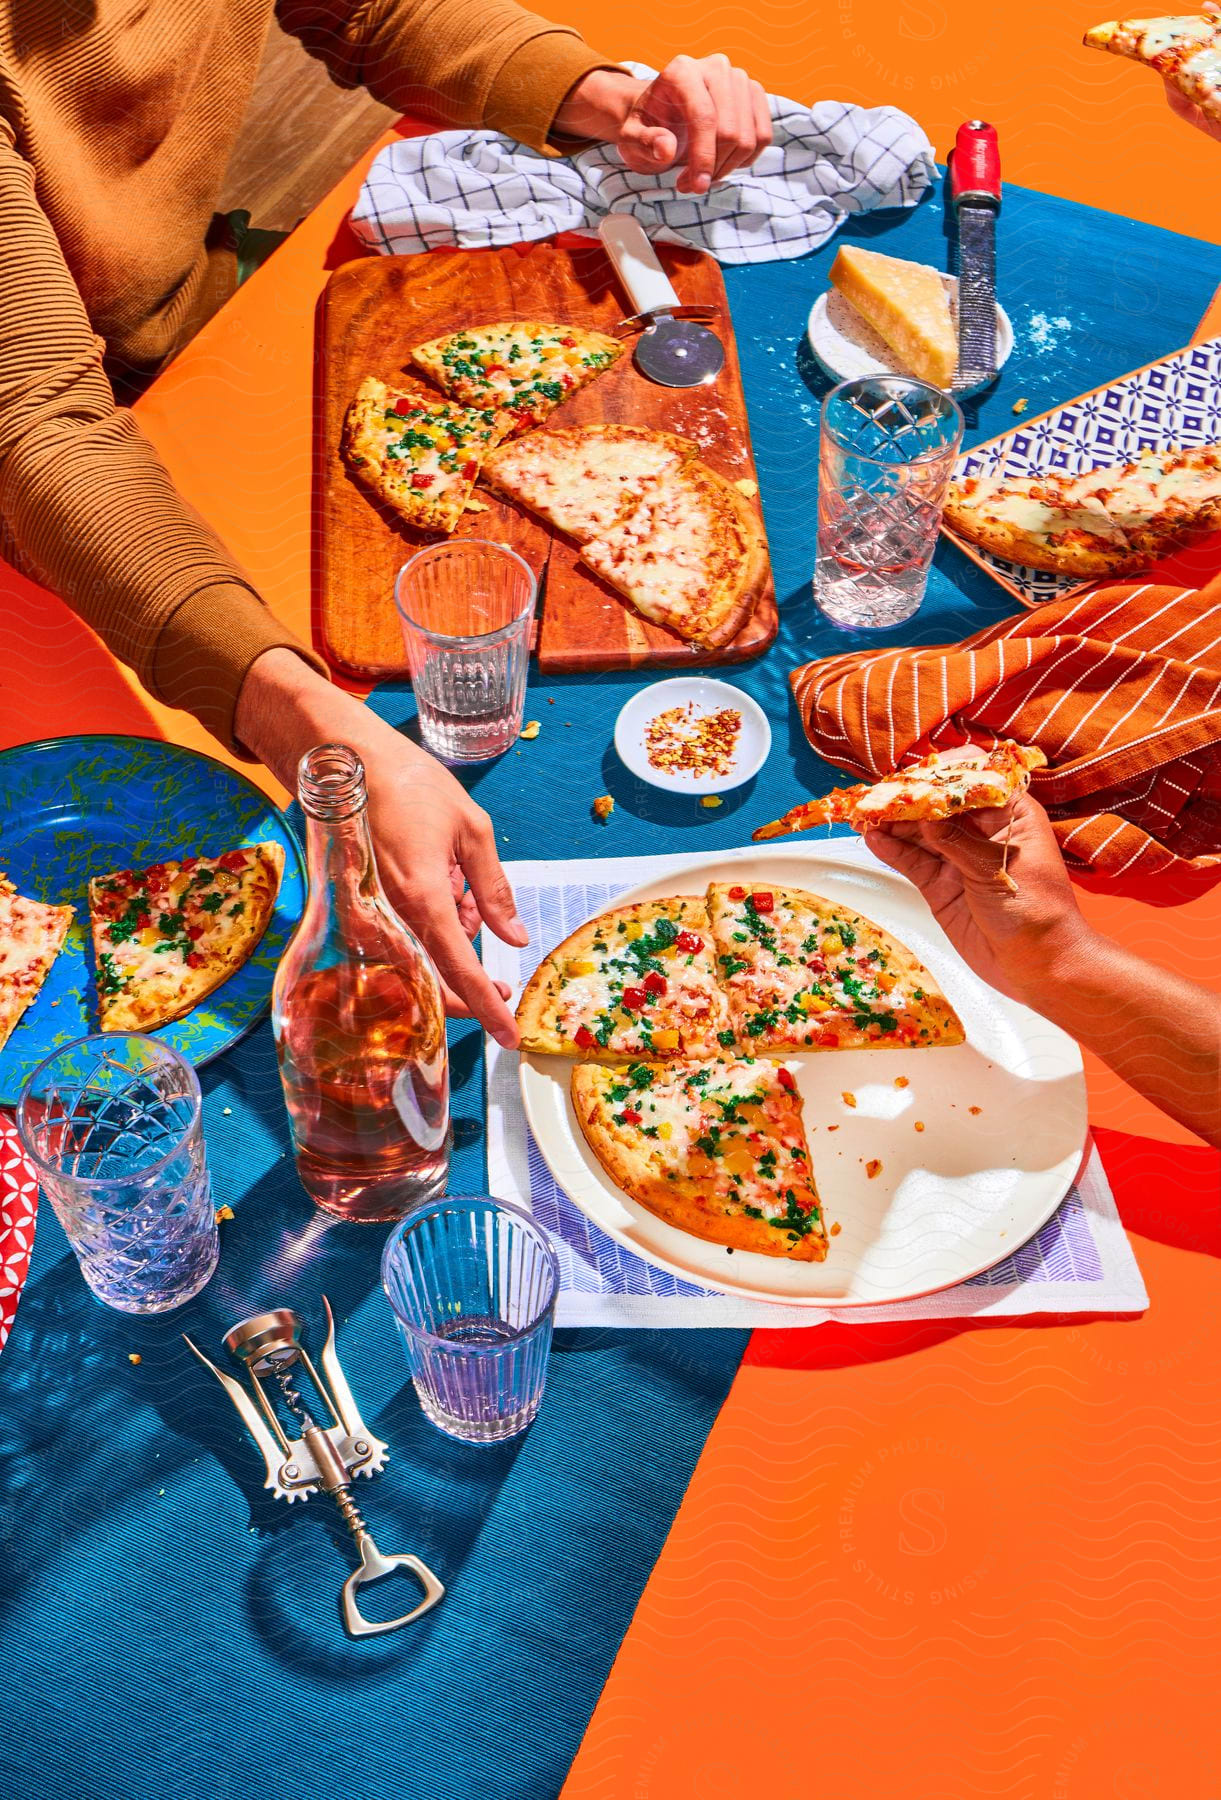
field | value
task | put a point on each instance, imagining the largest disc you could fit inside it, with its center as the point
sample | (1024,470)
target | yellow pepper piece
(581,968)
(814,1003)
(832,943)
(665,1130)
(887,981)
(665,1040)
(635,929)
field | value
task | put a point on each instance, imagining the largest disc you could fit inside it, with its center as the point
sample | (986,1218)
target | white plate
(949,1202)
(707,696)
(847,347)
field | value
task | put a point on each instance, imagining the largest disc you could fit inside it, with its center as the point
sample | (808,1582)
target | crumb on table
(902,1081)
(848,1099)
(919,1124)
(711,800)
(133,1356)
(834,1230)
(975,1111)
(223,1214)
(873,1167)
(603,807)
(530,729)
(1019,406)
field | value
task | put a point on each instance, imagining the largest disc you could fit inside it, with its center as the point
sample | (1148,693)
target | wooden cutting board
(372,312)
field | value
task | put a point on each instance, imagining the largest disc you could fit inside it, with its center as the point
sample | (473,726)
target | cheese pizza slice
(584,480)
(418,457)
(716,1148)
(804,973)
(32,935)
(523,370)
(1184,48)
(165,937)
(690,555)
(942,784)
(637,982)
(1108,521)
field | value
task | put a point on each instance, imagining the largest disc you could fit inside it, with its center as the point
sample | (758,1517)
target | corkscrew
(322,1458)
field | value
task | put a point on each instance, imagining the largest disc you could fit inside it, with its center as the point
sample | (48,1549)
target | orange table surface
(934,1559)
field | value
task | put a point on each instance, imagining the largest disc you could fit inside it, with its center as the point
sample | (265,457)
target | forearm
(1160,1032)
(461,62)
(286,708)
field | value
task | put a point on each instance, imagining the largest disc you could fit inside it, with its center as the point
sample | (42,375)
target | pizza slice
(690,555)
(639,981)
(803,973)
(717,1149)
(942,784)
(419,457)
(165,937)
(522,369)
(583,480)
(1108,521)
(32,935)
(1184,48)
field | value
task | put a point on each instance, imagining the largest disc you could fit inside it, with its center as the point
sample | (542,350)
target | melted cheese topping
(189,919)
(31,937)
(664,554)
(728,1127)
(432,450)
(525,366)
(583,482)
(692,1005)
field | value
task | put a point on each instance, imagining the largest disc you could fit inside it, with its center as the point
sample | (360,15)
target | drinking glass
(112,1126)
(466,609)
(887,448)
(472,1284)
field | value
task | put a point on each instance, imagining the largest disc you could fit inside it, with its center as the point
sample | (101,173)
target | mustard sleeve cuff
(205,650)
(532,83)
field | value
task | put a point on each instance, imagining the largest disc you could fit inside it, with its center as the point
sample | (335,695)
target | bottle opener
(671,349)
(322,1458)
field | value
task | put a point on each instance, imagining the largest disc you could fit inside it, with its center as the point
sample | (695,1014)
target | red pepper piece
(784,1077)
(195,932)
(689,942)
(402,406)
(422,481)
(232,861)
(630,1116)
(633,998)
(654,983)
(569,343)
(737,893)
(583,1038)
(194,960)
(469,471)
(493,368)
(763,902)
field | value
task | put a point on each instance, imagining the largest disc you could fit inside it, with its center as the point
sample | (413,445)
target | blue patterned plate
(72,808)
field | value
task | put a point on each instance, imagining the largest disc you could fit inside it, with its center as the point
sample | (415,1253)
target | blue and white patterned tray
(1172,404)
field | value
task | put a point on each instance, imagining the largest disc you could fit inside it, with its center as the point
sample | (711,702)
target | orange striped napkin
(1119,687)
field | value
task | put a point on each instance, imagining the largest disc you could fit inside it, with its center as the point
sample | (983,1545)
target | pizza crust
(538,1009)
(146,1002)
(700,1206)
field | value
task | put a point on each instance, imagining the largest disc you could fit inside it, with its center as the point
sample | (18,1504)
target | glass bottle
(358,1018)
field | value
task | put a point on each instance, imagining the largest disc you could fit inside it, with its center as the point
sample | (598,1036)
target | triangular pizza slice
(419,457)
(523,369)
(166,936)
(804,973)
(637,982)
(584,480)
(716,1148)
(941,785)
(32,935)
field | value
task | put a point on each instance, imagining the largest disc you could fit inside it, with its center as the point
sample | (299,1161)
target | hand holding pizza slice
(945,783)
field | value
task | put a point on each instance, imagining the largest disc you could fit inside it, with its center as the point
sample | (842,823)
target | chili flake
(684,741)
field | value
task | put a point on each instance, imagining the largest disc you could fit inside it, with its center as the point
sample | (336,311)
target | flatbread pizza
(941,785)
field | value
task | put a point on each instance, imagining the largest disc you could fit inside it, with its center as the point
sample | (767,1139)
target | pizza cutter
(672,348)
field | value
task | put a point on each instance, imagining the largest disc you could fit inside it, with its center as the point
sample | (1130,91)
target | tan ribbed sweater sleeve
(460,62)
(87,508)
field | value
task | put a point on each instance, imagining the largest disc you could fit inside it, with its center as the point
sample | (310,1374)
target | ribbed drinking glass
(466,609)
(886,452)
(112,1127)
(473,1285)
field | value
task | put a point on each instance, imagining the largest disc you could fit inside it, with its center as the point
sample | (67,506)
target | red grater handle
(975,163)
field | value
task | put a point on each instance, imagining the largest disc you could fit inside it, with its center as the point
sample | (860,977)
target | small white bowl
(707,696)
(847,347)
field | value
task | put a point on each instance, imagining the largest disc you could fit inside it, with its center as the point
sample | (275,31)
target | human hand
(1013,936)
(436,849)
(1191,113)
(701,112)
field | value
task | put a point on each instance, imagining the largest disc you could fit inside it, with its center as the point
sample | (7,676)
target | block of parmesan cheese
(907,305)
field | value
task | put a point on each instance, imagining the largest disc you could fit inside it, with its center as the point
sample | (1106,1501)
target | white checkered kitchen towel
(476,189)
